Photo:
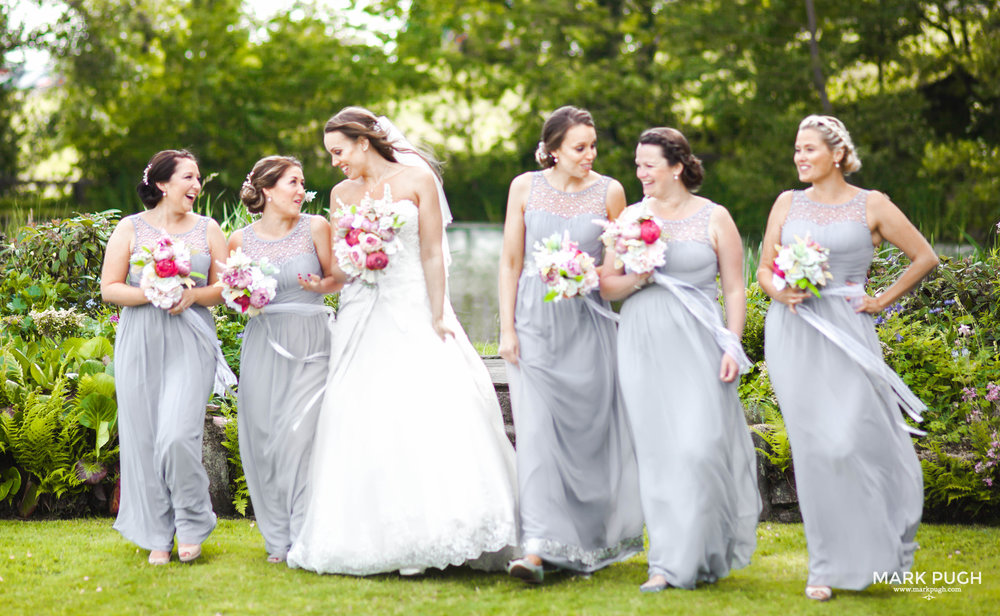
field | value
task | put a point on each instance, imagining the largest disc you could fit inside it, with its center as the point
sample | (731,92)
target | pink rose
(357,257)
(242,301)
(259,298)
(377,261)
(352,237)
(649,231)
(573,268)
(166,268)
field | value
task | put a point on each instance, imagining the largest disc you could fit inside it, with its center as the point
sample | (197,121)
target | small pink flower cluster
(992,392)
(247,285)
(637,239)
(366,236)
(166,271)
(564,268)
(992,458)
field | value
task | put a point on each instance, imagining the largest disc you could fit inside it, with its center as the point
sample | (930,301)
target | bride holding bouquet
(411,466)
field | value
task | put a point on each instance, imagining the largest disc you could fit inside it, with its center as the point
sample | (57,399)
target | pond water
(475,263)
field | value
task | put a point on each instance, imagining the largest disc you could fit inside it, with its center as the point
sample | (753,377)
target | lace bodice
(843,229)
(299,241)
(196,240)
(804,208)
(694,228)
(690,256)
(294,255)
(590,200)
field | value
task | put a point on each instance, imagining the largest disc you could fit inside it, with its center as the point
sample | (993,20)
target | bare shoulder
(615,188)
(878,199)
(347,191)
(318,223)
(719,212)
(521,182)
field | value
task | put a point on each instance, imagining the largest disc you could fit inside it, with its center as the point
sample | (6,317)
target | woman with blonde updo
(286,348)
(859,482)
(578,488)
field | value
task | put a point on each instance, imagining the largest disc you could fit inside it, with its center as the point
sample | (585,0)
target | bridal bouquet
(247,285)
(166,271)
(366,236)
(564,268)
(637,239)
(802,264)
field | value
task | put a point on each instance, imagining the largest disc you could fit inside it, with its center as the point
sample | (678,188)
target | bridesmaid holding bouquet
(859,482)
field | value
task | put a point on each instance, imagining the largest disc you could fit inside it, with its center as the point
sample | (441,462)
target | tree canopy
(915,82)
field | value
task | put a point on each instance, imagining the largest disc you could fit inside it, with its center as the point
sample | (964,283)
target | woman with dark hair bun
(679,368)
(578,492)
(411,466)
(286,348)
(166,362)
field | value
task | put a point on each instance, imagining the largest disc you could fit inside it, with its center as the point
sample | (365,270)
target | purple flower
(992,392)
(935,310)
(899,338)
(114,319)
(988,481)
(969,394)
(949,302)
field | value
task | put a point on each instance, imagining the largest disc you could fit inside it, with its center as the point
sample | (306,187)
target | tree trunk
(818,79)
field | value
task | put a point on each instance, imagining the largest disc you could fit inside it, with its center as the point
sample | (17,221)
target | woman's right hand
(509,349)
(791,297)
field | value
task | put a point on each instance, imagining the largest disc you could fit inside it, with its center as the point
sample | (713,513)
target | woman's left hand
(442,330)
(729,369)
(866,303)
(310,282)
(185,302)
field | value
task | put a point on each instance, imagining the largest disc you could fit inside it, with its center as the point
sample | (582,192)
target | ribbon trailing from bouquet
(705,310)
(599,309)
(224,377)
(299,309)
(874,366)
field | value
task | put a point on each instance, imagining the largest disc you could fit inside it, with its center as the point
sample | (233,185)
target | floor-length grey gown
(164,372)
(859,482)
(577,479)
(697,466)
(283,367)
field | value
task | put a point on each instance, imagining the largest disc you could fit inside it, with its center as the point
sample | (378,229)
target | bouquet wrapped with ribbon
(166,271)
(247,285)
(802,264)
(564,268)
(639,242)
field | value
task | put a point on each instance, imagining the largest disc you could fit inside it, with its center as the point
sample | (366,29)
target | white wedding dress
(411,467)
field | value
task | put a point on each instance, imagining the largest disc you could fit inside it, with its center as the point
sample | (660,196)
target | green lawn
(85,567)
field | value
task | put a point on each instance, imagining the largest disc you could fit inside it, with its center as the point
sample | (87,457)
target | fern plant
(238,479)
(778,451)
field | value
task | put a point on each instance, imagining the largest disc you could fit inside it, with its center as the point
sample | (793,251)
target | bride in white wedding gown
(411,467)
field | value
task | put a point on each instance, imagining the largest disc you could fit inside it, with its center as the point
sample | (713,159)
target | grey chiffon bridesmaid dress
(164,374)
(697,466)
(576,469)
(283,368)
(859,482)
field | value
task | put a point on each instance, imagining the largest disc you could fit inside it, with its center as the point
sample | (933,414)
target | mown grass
(85,567)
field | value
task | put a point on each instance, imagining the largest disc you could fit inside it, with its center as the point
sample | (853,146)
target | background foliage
(914,80)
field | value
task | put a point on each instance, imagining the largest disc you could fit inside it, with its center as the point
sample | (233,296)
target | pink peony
(352,237)
(243,301)
(377,261)
(357,257)
(166,268)
(259,298)
(387,234)
(346,221)
(777,270)
(649,231)
(237,279)
(631,232)
(183,268)
(371,242)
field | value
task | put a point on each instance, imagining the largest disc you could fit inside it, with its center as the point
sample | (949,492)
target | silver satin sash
(703,308)
(300,309)
(874,366)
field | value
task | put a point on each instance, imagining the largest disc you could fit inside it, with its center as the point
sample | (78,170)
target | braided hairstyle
(265,174)
(835,135)
(554,132)
(676,149)
(159,169)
